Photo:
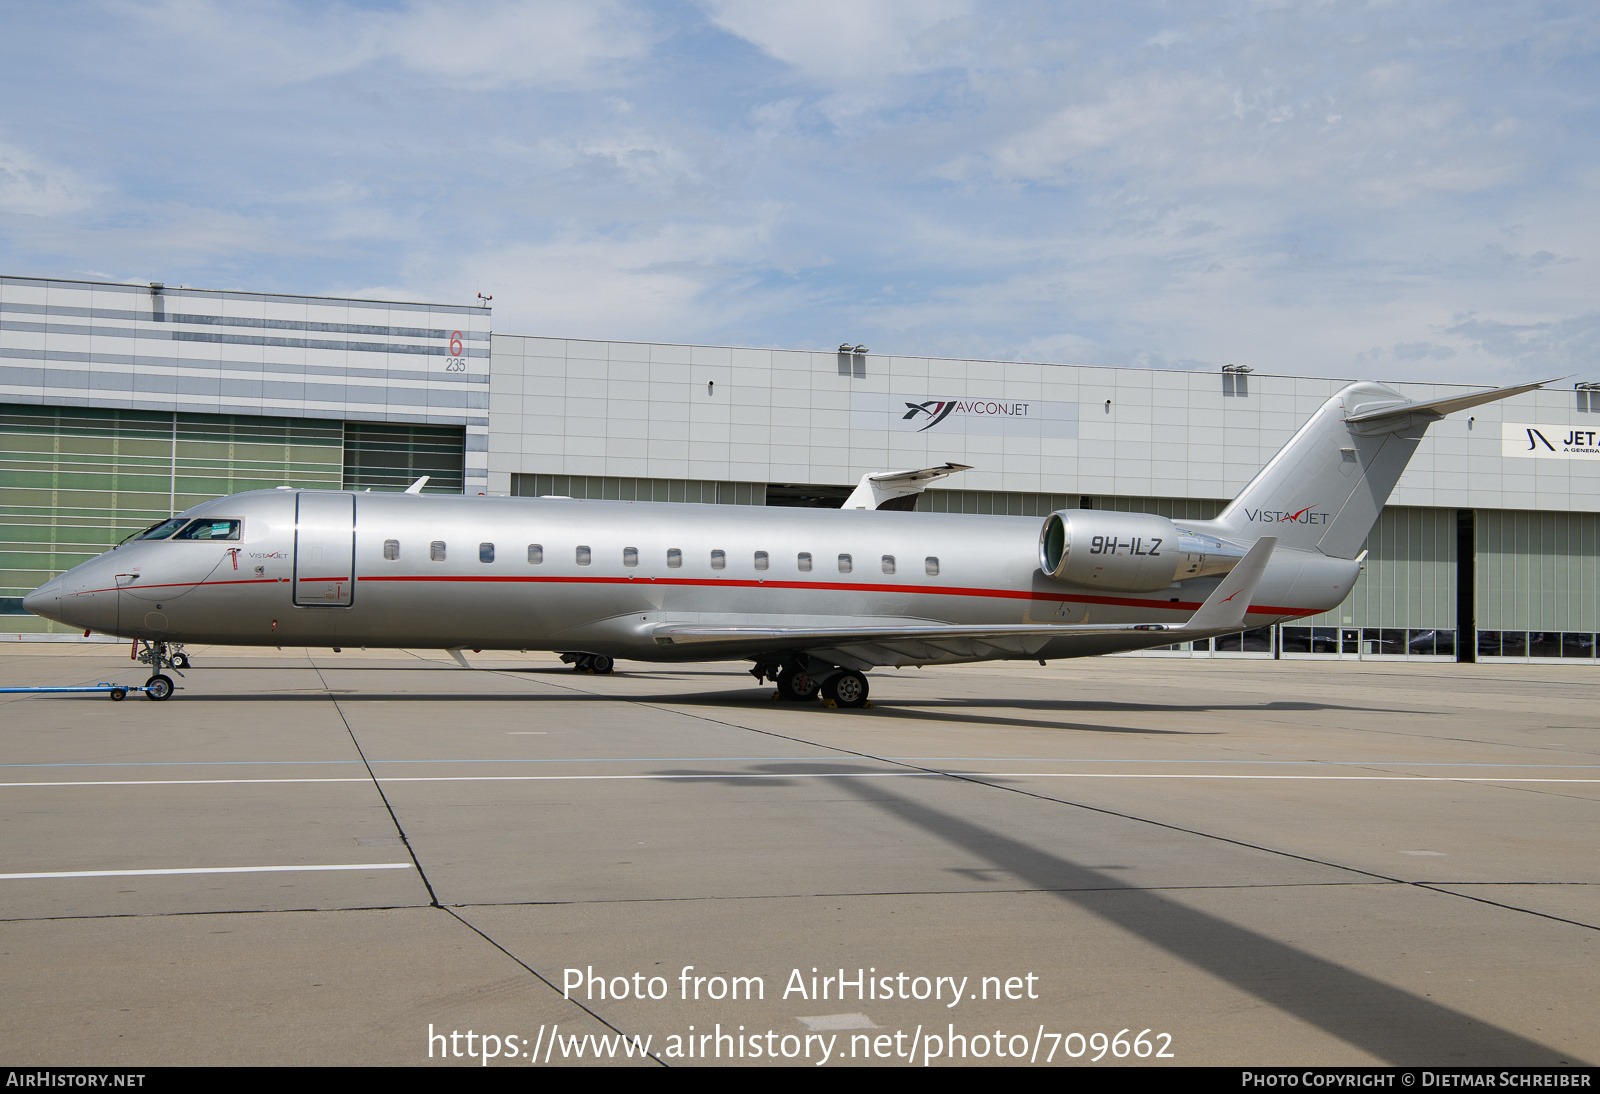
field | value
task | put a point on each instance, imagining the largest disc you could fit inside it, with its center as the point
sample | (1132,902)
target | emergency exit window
(391,549)
(485,552)
(436,550)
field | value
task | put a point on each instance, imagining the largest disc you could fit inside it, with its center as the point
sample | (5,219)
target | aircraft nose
(45,600)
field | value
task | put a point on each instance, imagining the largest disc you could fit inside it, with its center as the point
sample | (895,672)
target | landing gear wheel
(158,687)
(180,660)
(796,685)
(848,689)
(601,665)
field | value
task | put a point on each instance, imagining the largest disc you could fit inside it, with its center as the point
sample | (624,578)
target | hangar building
(120,404)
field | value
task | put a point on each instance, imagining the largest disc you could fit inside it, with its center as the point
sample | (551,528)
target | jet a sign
(1549,442)
(944,414)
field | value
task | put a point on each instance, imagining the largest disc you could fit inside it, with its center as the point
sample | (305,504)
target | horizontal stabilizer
(1224,609)
(1438,408)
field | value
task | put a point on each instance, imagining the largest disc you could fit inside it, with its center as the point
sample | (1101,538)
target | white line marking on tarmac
(815,775)
(210,870)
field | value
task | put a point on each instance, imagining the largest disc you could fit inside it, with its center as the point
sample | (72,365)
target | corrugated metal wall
(1538,571)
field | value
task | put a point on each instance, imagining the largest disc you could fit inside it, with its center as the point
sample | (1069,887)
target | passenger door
(324,550)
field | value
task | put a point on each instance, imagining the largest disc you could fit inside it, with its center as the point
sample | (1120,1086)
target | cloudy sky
(1390,190)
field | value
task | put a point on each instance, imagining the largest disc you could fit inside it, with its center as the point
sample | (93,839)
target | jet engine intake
(1128,552)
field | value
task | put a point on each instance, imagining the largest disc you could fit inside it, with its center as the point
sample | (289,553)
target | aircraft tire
(848,689)
(180,661)
(601,665)
(158,687)
(796,685)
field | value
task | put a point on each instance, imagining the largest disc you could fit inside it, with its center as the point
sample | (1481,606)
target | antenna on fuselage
(416,487)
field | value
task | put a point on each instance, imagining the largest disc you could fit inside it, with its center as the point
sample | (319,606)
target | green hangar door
(324,549)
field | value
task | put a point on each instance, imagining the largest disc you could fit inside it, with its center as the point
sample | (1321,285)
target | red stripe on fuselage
(825,586)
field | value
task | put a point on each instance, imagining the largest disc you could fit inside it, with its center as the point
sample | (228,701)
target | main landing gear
(799,682)
(597,664)
(159,656)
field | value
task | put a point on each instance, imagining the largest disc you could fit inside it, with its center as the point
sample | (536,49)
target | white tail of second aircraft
(1325,488)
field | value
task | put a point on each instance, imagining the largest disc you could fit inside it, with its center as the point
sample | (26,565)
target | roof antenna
(416,487)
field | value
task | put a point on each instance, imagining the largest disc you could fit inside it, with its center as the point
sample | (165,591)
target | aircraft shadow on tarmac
(1390,1023)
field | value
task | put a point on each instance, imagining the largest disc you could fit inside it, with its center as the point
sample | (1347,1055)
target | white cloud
(848,42)
(32,186)
(487,44)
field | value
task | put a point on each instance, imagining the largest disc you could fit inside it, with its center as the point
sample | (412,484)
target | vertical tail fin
(1325,488)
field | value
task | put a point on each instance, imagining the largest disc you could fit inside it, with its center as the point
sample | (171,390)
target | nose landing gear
(159,655)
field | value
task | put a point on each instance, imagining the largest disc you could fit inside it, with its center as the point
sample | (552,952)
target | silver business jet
(813,598)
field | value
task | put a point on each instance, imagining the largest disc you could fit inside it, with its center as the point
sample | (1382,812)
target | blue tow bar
(118,692)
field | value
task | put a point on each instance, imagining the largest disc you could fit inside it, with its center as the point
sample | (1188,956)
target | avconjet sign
(951,414)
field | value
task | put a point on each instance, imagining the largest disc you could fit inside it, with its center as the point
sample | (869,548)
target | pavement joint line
(450,909)
(210,870)
(769,759)
(433,897)
(744,775)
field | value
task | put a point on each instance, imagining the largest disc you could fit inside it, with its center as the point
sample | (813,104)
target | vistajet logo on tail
(1279,516)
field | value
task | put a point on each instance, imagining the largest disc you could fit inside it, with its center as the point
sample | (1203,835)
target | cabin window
(719,560)
(211,529)
(761,560)
(674,558)
(436,550)
(803,560)
(485,552)
(931,564)
(844,564)
(391,549)
(888,564)
(583,556)
(535,554)
(630,556)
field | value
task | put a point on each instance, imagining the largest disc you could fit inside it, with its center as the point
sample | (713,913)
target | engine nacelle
(1128,552)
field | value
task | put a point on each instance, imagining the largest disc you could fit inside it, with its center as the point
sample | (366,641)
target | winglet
(1224,609)
(416,487)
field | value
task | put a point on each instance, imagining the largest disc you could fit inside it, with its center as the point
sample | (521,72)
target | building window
(674,558)
(888,564)
(535,554)
(931,564)
(630,556)
(583,556)
(761,560)
(436,550)
(803,560)
(719,560)
(391,549)
(844,564)
(485,552)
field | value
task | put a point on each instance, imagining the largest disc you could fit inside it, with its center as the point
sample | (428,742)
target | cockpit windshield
(206,528)
(162,530)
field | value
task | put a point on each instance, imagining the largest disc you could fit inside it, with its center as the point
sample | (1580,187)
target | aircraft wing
(865,645)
